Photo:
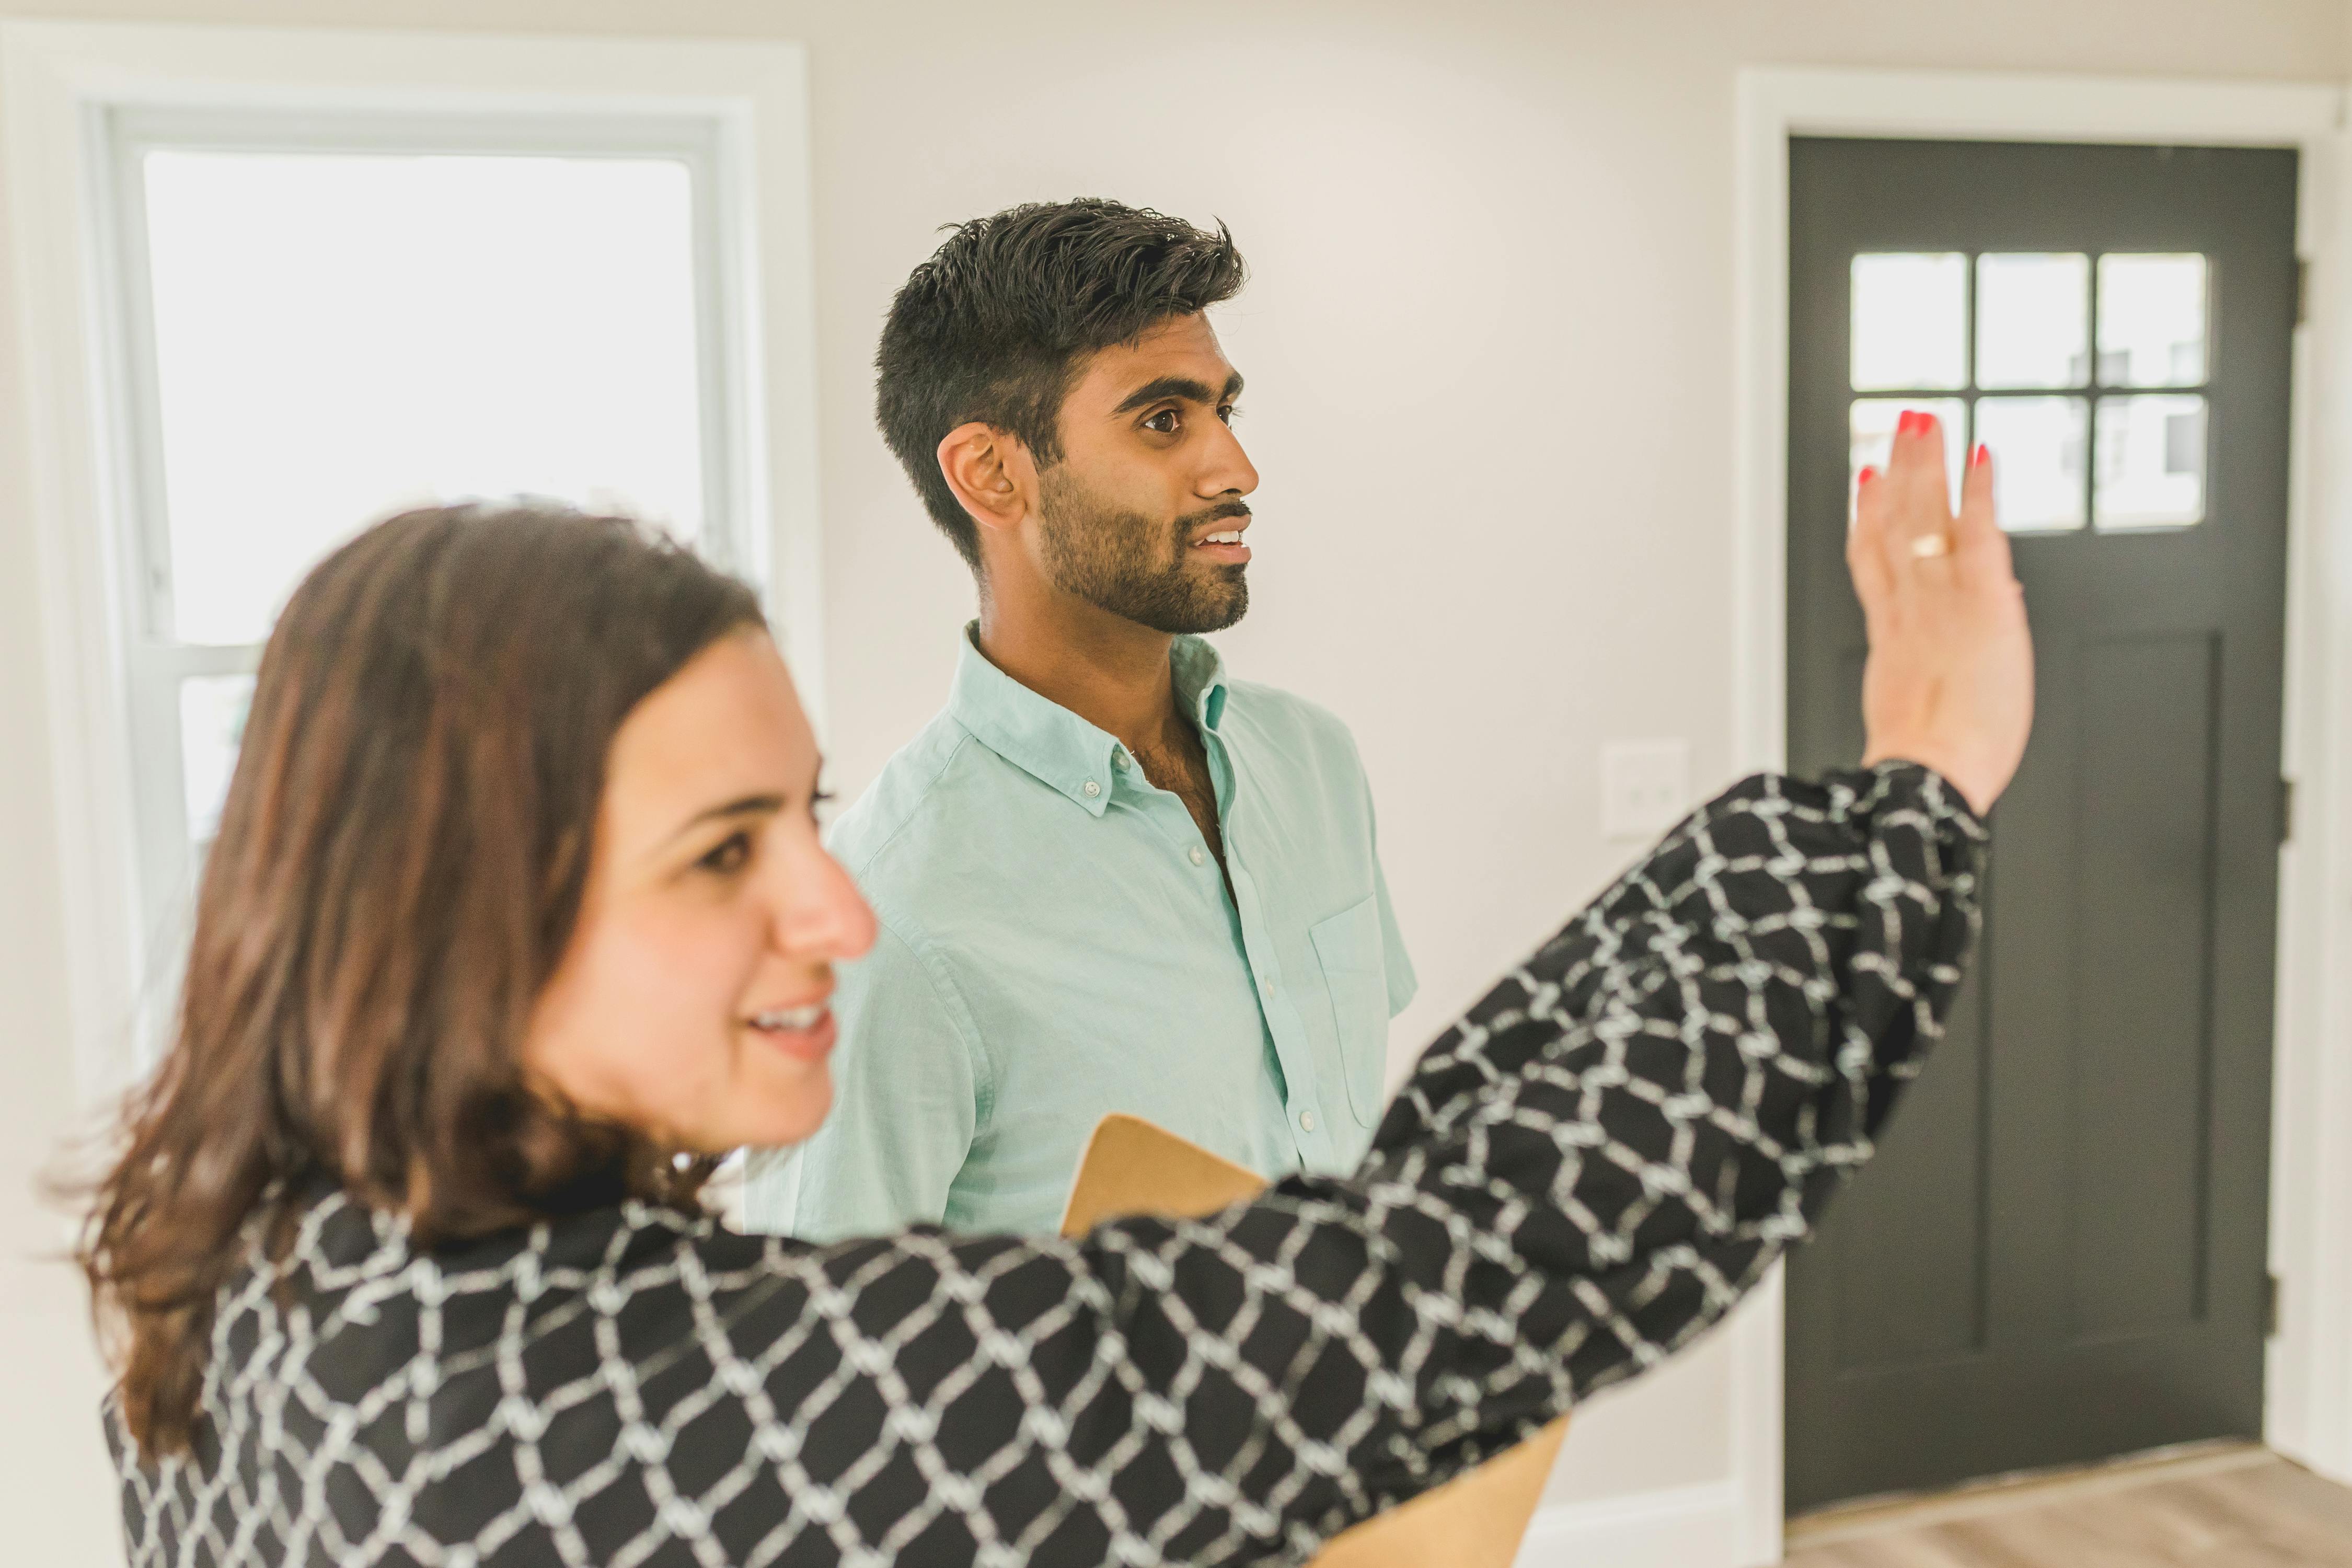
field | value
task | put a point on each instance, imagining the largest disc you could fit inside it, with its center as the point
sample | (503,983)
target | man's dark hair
(993,327)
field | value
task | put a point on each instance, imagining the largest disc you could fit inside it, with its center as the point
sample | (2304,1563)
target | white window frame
(81,102)
(157,661)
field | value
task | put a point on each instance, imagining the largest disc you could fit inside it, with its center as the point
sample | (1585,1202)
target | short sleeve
(906,1100)
(1403,984)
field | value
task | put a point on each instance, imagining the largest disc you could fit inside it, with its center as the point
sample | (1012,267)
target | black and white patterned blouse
(1581,1175)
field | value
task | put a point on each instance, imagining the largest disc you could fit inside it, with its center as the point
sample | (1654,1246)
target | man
(1108,877)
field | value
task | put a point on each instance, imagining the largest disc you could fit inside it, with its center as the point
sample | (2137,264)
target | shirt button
(1307,1121)
(1119,759)
(1093,789)
(1195,853)
(1266,985)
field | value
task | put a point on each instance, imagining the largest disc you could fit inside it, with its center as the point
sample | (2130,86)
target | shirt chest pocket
(1355,974)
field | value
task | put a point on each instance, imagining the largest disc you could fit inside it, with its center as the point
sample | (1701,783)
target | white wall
(56,1494)
(1489,349)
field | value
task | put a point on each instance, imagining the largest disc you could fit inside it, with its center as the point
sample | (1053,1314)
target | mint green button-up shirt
(1055,943)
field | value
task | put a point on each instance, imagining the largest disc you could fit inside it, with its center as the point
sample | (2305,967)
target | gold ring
(1927,546)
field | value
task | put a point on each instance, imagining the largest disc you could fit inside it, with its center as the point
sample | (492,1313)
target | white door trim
(2309,1393)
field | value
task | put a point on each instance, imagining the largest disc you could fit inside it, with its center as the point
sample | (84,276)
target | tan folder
(1476,1519)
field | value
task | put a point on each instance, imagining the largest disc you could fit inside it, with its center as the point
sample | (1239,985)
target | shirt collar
(1053,744)
(1200,671)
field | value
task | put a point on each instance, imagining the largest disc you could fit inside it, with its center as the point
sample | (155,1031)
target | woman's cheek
(694,963)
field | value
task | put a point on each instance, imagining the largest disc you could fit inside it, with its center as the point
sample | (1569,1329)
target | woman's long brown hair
(398,870)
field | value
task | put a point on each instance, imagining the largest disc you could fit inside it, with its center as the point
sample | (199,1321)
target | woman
(517,919)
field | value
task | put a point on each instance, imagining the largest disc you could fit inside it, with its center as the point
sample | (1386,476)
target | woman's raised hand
(1950,681)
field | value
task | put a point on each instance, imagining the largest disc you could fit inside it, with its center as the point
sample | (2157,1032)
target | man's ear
(991,475)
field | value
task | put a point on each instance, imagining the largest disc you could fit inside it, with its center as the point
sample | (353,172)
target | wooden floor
(2238,1507)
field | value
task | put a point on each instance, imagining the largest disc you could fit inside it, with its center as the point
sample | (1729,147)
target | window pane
(2037,460)
(211,726)
(1871,434)
(2151,462)
(340,335)
(2151,321)
(2033,321)
(1908,316)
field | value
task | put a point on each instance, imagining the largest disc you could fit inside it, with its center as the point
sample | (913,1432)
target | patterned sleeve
(1584,1172)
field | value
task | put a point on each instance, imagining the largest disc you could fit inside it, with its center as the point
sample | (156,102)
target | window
(322,320)
(1999,347)
(640,202)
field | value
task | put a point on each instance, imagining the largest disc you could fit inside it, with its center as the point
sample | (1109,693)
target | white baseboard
(1676,1527)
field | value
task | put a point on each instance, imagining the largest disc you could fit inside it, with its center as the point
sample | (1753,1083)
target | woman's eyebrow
(748,806)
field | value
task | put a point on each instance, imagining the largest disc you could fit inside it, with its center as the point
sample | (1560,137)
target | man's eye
(1229,414)
(730,855)
(1164,422)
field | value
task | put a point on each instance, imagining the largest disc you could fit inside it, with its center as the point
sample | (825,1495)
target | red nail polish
(1902,425)
(1982,456)
(1867,475)
(1927,423)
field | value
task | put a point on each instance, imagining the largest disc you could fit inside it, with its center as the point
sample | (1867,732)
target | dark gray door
(2060,1253)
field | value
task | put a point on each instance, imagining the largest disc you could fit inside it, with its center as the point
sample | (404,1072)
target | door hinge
(2272,1291)
(2302,291)
(2286,811)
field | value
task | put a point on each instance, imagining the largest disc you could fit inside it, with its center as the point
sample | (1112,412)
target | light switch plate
(1645,787)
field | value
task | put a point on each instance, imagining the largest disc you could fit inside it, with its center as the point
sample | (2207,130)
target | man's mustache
(1217,513)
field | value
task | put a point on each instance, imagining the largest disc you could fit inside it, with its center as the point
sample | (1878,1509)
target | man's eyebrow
(1180,386)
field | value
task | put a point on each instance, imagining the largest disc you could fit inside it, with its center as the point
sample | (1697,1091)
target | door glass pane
(2152,321)
(2151,462)
(2037,460)
(2033,320)
(211,726)
(340,335)
(1909,321)
(1871,434)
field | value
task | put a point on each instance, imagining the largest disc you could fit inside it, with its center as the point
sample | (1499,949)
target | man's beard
(1125,562)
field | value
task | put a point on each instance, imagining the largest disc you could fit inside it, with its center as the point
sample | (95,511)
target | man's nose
(1229,471)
